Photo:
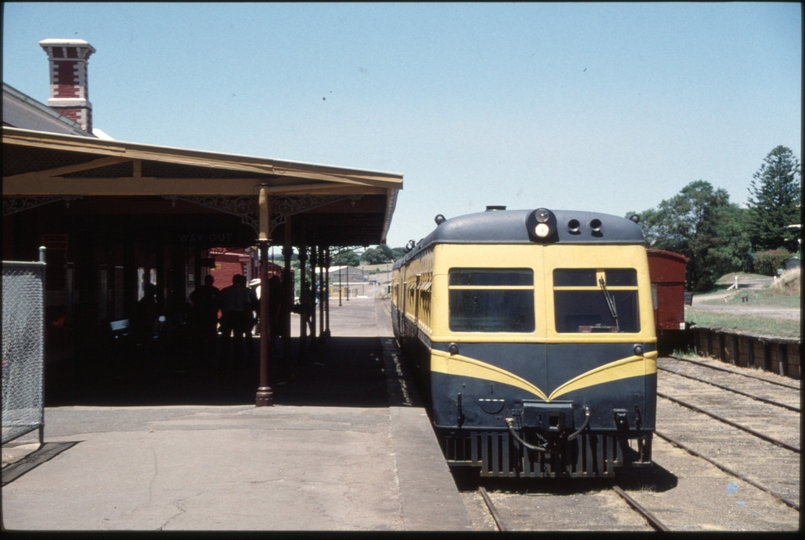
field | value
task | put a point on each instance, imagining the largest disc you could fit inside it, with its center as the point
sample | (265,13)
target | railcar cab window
(491,300)
(596,300)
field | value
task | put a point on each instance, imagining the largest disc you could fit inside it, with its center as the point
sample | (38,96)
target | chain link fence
(23,348)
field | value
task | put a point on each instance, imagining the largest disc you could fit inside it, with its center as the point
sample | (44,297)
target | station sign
(56,242)
(213,238)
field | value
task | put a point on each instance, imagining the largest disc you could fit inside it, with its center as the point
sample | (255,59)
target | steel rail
(492,509)
(733,424)
(726,469)
(655,523)
(734,372)
(757,398)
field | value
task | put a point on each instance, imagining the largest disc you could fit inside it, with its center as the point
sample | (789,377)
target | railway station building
(115,215)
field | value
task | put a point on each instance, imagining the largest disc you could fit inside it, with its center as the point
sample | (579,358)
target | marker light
(541,225)
(542,215)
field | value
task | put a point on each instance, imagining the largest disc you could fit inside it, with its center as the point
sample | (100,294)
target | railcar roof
(509,227)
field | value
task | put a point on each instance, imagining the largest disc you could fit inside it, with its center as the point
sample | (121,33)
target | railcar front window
(491,300)
(595,300)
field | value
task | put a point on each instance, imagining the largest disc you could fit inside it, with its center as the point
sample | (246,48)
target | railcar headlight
(542,230)
(541,225)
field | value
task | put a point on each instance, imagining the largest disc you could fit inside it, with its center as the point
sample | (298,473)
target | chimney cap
(64,42)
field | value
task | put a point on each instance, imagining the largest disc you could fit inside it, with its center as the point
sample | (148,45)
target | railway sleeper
(590,455)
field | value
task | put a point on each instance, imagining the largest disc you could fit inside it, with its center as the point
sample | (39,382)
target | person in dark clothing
(206,300)
(280,368)
(146,315)
(236,303)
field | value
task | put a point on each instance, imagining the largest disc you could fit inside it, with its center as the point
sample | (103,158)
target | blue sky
(606,107)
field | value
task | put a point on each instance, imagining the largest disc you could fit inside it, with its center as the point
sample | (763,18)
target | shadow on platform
(343,372)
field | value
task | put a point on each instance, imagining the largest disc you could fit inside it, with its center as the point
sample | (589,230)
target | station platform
(346,446)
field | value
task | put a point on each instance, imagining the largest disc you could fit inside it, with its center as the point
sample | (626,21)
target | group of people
(198,322)
(237,304)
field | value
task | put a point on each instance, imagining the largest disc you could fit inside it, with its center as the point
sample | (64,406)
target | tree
(703,225)
(379,255)
(382,254)
(774,202)
(345,257)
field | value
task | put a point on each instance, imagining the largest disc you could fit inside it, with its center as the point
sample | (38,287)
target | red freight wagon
(667,271)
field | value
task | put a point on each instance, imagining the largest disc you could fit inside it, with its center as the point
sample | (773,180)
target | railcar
(532,332)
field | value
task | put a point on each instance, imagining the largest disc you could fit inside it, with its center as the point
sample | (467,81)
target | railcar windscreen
(491,300)
(596,300)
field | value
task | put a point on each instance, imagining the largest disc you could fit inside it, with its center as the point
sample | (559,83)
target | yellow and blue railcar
(533,334)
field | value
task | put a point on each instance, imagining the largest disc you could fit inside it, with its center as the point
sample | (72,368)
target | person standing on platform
(145,320)
(206,300)
(235,307)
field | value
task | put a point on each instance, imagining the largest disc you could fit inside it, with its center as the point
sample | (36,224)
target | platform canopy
(346,207)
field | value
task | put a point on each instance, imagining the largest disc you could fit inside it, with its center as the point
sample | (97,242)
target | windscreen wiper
(610,301)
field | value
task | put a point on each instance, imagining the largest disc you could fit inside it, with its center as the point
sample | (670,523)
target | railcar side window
(596,300)
(491,300)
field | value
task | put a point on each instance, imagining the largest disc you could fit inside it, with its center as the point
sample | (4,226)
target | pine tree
(774,202)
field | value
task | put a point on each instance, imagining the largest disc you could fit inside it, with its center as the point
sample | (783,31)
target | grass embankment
(782,293)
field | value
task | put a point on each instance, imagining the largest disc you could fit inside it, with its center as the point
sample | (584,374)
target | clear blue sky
(608,107)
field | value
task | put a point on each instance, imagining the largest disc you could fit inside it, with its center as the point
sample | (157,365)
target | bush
(789,283)
(767,262)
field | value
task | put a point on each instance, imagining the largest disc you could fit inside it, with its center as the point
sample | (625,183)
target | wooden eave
(235,174)
(41,164)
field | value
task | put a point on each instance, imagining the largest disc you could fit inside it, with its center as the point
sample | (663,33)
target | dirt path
(708,303)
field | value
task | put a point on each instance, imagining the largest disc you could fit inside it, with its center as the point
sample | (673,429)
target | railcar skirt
(591,455)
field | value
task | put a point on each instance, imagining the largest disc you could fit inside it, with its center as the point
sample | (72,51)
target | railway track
(794,408)
(518,514)
(767,378)
(720,418)
(727,457)
(726,469)
(755,406)
(753,410)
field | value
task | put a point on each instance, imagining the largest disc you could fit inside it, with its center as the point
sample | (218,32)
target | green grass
(729,279)
(782,293)
(758,297)
(751,323)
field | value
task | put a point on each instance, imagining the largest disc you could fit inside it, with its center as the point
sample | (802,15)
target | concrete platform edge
(430,499)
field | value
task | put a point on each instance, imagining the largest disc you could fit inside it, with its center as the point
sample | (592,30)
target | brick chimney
(69,90)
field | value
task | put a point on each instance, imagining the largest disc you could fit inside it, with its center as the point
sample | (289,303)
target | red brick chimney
(69,91)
